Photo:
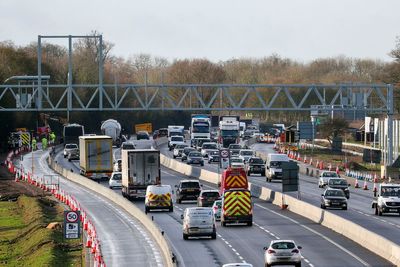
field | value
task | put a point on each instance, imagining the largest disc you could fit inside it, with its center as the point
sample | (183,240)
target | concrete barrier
(371,241)
(149,225)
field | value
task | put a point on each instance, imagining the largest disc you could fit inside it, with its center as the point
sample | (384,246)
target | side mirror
(299,247)
(182,216)
(349,184)
(176,186)
(265,248)
(322,195)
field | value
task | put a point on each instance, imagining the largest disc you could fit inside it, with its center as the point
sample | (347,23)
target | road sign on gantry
(72,224)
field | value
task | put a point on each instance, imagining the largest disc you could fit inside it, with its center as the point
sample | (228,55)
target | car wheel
(376,210)
(69,160)
(214,236)
(146,210)
(263,174)
(323,206)
(182,159)
(344,208)
(65,156)
(248,173)
(298,264)
(268,265)
(171,209)
(249,223)
(202,164)
(111,187)
(174,156)
(223,223)
(185,236)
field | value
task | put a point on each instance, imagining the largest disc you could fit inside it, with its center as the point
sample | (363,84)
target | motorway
(359,210)
(321,246)
(118,231)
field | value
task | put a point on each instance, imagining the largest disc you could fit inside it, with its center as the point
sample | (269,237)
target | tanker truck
(112,128)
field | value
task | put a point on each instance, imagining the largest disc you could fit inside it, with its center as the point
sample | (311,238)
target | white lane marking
(156,253)
(233,249)
(317,233)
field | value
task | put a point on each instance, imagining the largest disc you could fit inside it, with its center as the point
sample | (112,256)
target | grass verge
(25,240)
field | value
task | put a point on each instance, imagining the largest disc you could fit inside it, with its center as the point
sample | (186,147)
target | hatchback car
(68,148)
(325,176)
(178,150)
(340,183)
(213,156)
(195,158)
(186,152)
(234,149)
(256,165)
(246,154)
(237,162)
(115,180)
(142,135)
(334,198)
(282,252)
(216,207)
(187,190)
(127,145)
(207,198)
(207,147)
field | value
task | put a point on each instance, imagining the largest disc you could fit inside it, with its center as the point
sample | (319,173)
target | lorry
(175,130)
(95,156)
(387,199)
(236,207)
(140,168)
(147,127)
(228,132)
(112,128)
(71,133)
(200,127)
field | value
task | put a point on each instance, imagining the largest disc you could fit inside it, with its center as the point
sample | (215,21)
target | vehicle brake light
(295,251)
(271,251)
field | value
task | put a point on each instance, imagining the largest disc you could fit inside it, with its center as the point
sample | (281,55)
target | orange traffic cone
(365,187)
(311,162)
(89,242)
(305,159)
(317,165)
(375,178)
(356,185)
(337,169)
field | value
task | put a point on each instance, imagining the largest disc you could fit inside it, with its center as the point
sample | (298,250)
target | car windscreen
(275,163)
(210,194)
(330,174)
(209,146)
(190,185)
(234,147)
(117,177)
(69,146)
(128,146)
(181,146)
(194,154)
(236,160)
(177,138)
(390,191)
(337,182)
(246,153)
(283,245)
(256,161)
(334,193)
(188,150)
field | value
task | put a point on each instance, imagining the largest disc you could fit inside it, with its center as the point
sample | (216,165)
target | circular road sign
(72,216)
(225,153)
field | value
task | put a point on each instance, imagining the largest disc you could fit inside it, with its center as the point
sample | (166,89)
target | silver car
(282,252)
(198,222)
(325,176)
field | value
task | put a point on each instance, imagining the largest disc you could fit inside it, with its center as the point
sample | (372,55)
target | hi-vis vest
(237,203)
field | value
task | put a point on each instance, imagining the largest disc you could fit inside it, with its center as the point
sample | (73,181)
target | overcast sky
(215,29)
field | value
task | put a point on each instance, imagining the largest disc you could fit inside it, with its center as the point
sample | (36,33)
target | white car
(246,154)
(68,148)
(237,163)
(115,180)
(282,252)
(207,147)
(175,140)
(325,176)
(178,150)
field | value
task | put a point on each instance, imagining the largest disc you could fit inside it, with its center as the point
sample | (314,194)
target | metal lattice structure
(370,98)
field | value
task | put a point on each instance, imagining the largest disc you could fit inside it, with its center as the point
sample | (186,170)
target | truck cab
(274,166)
(387,199)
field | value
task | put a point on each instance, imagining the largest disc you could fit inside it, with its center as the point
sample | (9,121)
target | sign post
(224,158)
(72,224)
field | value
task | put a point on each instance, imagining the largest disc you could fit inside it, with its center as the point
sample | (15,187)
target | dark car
(207,198)
(333,198)
(127,145)
(195,157)
(186,152)
(235,149)
(213,156)
(142,135)
(162,132)
(340,183)
(256,165)
(187,190)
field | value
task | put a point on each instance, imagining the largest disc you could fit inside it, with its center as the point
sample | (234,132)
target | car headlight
(346,190)
(327,201)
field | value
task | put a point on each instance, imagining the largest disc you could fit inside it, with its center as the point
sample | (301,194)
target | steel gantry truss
(371,98)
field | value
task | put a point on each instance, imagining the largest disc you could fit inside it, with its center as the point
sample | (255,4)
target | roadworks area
(31,227)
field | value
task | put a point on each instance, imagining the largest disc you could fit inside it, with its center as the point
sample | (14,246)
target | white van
(158,197)
(273,166)
(198,222)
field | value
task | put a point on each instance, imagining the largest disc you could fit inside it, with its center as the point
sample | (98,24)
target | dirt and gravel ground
(10,190)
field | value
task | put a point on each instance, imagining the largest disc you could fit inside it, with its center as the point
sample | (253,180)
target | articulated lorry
(95,156)
(200,126)
(228,131)
(140,168)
